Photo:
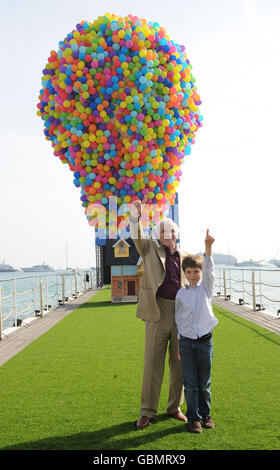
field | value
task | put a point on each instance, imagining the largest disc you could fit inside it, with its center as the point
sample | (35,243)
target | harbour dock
(265,319)
(77,387)
(16,339)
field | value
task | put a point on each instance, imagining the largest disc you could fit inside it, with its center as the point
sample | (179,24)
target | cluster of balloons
(120,107)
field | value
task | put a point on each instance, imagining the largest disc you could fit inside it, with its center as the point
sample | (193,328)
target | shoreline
(21,336)
(260,317)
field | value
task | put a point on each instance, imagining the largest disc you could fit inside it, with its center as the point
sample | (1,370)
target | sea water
(20,291)
(239,286)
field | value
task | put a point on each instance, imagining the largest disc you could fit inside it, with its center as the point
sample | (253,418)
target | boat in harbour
(67,269)
(38,268)
(7,268)
(262,264)
(276,262)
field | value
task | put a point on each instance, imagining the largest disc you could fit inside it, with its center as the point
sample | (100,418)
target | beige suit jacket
(154,257)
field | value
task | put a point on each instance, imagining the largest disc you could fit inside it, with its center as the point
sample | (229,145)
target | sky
(229,183)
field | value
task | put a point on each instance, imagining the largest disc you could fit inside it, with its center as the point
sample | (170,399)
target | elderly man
(161,280)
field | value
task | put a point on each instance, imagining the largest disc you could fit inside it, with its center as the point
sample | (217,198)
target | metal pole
(76,286)
(254,290)
(41,299)
(33,292)
(225,284)
(260,283)
(1,326)
(63,289)
(15,301)
(47,293)
(56,288)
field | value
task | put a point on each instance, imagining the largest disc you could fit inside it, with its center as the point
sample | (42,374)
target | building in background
(118,263)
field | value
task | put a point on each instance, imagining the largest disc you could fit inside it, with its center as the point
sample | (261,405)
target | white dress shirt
(193,305)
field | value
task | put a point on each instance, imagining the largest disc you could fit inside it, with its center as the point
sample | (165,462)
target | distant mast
(66,256)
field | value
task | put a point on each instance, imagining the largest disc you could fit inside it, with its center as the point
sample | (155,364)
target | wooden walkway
(16,339)
(266,320)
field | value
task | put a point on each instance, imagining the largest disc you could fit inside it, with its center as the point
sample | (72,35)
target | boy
(195,320)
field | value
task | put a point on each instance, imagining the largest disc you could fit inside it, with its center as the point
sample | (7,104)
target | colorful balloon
(121,109)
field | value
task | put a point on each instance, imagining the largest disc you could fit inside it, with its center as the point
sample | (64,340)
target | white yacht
(7,268)
(38,268)
(262,263)
(276,262)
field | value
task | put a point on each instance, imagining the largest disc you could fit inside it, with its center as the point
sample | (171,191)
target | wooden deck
(16,339)
(266,320)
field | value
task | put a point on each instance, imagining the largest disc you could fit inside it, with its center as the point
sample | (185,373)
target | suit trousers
(158,335)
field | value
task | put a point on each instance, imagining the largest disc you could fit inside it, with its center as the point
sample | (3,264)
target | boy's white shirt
(193,305)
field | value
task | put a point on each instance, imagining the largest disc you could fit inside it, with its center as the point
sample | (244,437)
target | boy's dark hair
(192,261)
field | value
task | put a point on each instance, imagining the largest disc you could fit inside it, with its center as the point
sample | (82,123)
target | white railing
(249,288)
(46,291)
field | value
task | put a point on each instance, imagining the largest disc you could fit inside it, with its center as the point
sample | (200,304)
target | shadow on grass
(102,438)
(269,335)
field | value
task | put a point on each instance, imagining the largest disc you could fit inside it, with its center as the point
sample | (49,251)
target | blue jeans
(196,359)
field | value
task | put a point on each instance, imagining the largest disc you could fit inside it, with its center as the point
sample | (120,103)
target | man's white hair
(169,225)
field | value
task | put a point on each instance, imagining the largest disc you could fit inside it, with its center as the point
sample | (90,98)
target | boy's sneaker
(207,422)
(194,427)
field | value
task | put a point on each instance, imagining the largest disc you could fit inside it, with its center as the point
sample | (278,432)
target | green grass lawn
(78,386)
